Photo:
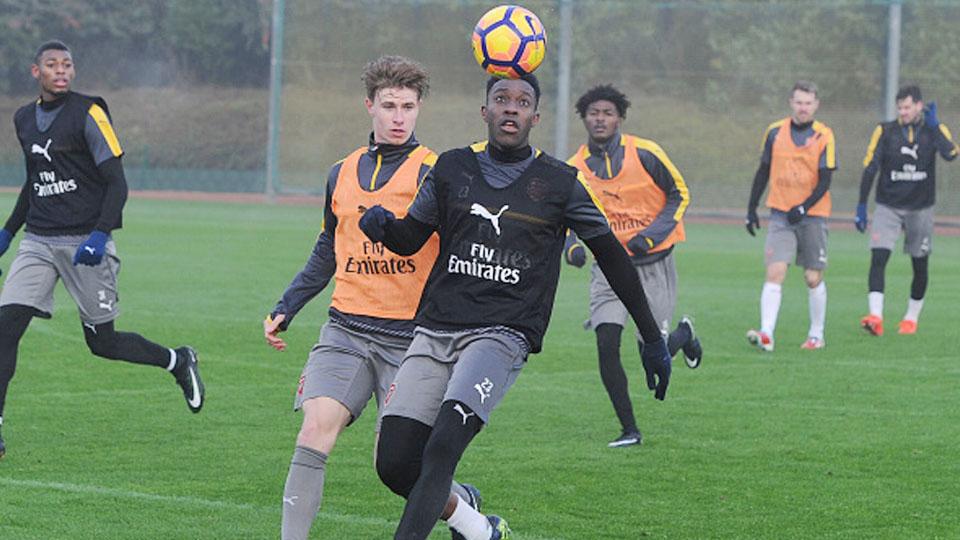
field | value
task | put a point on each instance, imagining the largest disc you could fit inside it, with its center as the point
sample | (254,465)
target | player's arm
(871,165)
(760,180)
(106,152)
(17,218)
(944,140)
(670,181)
(585,217)
(405,236)
(317,272)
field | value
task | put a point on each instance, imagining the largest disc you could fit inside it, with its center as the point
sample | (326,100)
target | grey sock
(303,492)
(458,490)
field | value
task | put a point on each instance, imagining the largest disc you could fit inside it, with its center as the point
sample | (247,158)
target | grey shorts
(475,367)
(807,241)
(351,366)
(659,281)
(917,225)
(41,262)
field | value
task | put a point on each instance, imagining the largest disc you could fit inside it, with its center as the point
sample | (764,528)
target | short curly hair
(605,92)
(395,72)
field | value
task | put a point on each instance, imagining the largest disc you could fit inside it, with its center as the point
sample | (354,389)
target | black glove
(657,363)
(753,222)
(639,244)
(796,214)
(374,221)
(576,255)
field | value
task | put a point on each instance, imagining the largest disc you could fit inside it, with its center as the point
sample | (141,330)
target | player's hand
(752,221)
(90,252)
(657,363)
(374,221)
(861,220)
(796,214)
(271,327)
(930,115)
(639,244)
(576,255)
(5,238)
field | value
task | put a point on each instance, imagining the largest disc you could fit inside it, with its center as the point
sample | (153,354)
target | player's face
(394,112)
(510,113)
(909,110)
(602,121)
(55,72)
(804,106)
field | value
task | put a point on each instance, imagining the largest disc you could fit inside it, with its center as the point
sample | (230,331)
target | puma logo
(612,194)
(463,413)
(479,210)
(290,500)
(89,250)
(106,305)
(912,152)
(42,150)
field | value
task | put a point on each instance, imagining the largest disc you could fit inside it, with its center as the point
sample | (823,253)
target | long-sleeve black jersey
(375,168)
(905,156)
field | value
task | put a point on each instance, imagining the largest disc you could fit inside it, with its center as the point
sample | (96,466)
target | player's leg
(884,232)
(335,386)
(323,420)
(94,290)
(27,293)
(14,320)
(487,367)
(607,318)
(918,244)
(780,248)
(812,256)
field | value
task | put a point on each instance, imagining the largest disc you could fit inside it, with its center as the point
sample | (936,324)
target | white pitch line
(186,500)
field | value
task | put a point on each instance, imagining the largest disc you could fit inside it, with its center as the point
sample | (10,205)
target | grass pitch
(855,441)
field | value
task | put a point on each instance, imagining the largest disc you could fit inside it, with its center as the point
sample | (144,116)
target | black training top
(906,156)
(65,190)
(500,243)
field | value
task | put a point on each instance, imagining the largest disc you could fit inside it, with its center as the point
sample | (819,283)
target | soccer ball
(509,42)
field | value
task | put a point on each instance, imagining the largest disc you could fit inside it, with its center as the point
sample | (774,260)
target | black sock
(14,320)
(918,287)
(678,338)
(878,264)
(612,374)
(450,437)
(106,342)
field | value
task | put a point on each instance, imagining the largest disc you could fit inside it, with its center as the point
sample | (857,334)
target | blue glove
(930,115)
(639,244)
(657,363)
(91,251)
(753,222)
(5,238)
(374,221)
(861,220)
(796,214)
(576,255)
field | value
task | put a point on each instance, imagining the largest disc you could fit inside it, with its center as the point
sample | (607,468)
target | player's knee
(13,322)
(400,453)
(101,342)
(813,278)
(320,432)
(608,339)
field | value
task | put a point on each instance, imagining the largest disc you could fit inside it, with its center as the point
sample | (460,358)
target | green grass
(855,441)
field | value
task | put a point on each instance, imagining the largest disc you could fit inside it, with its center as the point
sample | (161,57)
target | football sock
(875,301)
(612,374)
(14,320)
(469,522)
(818,309)
(678,338)
(450,437)
(106,342)
(913,309)
(302,492)
(400,452)
(770,307)
(878,265)
(918,288)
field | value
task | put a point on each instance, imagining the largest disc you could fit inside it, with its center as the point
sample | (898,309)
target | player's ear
(35,71)
(369,105)
(536,118)
(483,112)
